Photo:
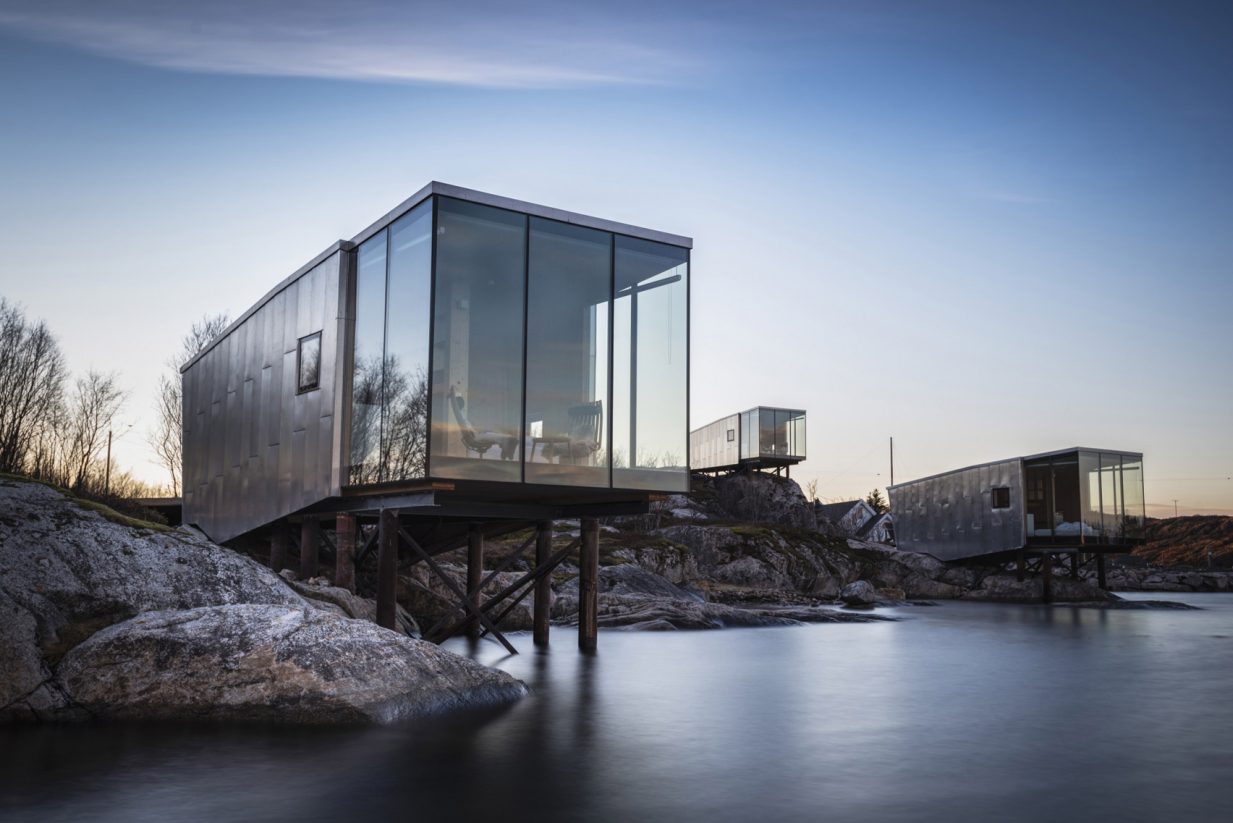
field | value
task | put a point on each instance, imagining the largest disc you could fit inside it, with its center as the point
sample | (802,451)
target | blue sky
(985,230)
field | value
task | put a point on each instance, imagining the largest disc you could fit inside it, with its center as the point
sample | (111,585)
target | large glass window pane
(1132,492)
(1111,504)
(366,376)
(477,342)
(797,443)
(650,354)
(405,422)
(1089,489)
(766,432)
(568,297)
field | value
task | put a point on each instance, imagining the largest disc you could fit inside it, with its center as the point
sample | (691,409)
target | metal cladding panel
(951,516)
(709,447)
(255,450)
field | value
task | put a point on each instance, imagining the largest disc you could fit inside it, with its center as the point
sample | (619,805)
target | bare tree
(167,439)
(32,375)
(92,409)
(811,490)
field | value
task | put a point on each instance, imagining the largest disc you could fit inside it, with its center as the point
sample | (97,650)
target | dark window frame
(999,497)
(300,387)
(731,435)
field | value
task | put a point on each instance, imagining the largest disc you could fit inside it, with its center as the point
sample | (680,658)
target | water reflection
(964,710)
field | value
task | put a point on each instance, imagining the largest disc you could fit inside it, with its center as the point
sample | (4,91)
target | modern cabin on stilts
(467,367)
(1073,507)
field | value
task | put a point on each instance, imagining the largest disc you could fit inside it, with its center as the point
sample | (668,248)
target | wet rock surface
(271,664)
(76,586)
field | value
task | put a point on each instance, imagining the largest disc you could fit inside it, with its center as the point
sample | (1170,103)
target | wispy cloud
(487,44)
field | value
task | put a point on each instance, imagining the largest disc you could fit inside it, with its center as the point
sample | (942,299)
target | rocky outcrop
(325,597)
(270,663)
(631,597)
(1151,579)
(860,593)
(77,585)
(1006,588)
(762,498)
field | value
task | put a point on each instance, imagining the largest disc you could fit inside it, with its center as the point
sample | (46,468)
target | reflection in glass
(568,293)
(366,381)
(650,351)
(1089,489)
(404,441)
(477,345)
(1132,494)
(1112,506)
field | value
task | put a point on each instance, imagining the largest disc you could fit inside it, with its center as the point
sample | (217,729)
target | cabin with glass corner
(763,437)
(1075,502)
(465,356)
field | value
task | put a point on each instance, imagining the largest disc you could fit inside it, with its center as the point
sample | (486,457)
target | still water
(960,711)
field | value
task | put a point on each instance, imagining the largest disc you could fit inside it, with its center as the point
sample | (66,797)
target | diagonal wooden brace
(457,590)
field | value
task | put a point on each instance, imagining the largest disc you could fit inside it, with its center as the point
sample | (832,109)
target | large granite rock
(72,575)
(270,663)
(764,498)
(860,593)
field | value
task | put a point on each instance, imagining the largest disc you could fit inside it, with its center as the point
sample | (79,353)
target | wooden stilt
(1022,566)
(543,586)
(1074,566)
(1100,570)
(1046,577)
(279,538)
(588,585)
(475,573)
(344,555)
(310,542)
(387,568)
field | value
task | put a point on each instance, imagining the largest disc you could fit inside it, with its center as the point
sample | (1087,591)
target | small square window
(1001,497)
(308,363)
(731,435)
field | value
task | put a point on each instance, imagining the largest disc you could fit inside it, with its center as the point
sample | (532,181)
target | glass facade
(404,428)
(650,436)
(569,284)
(1085,497)
(364,465)
(506,347)
(477,347)
(768,432)
(389,389)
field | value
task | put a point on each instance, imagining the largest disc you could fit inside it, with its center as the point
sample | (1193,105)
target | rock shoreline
(101,619)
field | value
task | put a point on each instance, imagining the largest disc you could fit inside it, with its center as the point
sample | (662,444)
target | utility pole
(107,476)
(892,455)
(1175,507)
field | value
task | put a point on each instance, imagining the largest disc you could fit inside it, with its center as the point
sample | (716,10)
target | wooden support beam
(475,573)
(526,584)
(1021,567)
(387,568)
(458,592)
(1074,566)
(344,552)
(310,541)
(279,540)
(1100,570)
(1046,577)
(588,586)
(543,586)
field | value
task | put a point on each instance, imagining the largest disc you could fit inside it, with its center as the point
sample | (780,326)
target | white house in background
(850,516)
(879,529)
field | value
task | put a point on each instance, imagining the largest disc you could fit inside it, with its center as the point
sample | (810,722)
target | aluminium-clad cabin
(466,355)
(762,437)
(1072,501)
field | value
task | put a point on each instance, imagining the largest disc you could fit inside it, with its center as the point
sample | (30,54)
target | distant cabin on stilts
(1075,505)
